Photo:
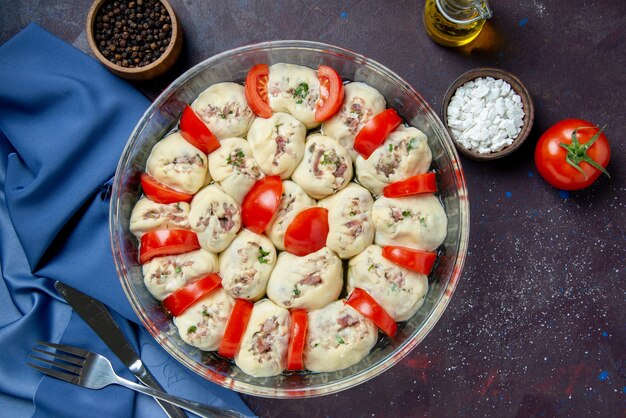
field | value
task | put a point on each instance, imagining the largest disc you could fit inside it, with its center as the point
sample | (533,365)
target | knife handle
(172,411)
(202,410)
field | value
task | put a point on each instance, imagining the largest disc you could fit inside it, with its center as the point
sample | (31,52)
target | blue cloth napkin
(64,121)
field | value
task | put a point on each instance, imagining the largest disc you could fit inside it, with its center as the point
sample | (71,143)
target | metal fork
(93,371)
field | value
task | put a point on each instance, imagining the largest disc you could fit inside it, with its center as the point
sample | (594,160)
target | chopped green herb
(236,158)
(352,213)
(423,221)
(370,267)
(326,160)
(411,144)
(263,256)
(301,92)
(222,116)
(390,147)
(192,329)
(205,312)
(296,291)
(178,269)
(315,345)
(339,339)
(406,213)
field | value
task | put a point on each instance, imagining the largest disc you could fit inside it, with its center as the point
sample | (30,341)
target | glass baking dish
(162,116)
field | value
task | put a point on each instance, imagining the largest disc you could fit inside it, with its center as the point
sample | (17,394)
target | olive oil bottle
(455,22)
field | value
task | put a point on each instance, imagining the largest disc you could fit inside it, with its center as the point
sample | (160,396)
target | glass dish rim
(376,368)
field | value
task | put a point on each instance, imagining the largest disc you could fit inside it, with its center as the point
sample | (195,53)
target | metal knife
(100,320)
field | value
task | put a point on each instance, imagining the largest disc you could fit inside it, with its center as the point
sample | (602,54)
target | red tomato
(235,328)
(194,130)
(183,298)
(331,93)
(572,154)
(360,300)
(307,232)
(421,183)
(167,242)
(375,131)
(256,90)
(297,339)
(416,260)
(160,193)
(261,202)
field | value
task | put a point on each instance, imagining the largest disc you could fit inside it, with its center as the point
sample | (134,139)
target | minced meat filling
(263,339)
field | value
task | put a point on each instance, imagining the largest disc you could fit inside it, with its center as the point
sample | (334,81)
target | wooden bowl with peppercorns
(135,39)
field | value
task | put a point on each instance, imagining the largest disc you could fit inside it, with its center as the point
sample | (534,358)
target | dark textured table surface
(537,325)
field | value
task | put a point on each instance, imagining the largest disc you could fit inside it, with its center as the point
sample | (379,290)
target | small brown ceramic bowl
(152,70)
(520,89)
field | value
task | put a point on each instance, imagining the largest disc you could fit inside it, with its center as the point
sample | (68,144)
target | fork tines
(68,365)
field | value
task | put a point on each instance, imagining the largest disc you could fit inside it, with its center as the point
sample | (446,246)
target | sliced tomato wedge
(416,260)
(256,90)
(235,328)
(374,132)
(260,203)
(297,339)
(167,242)
(307,232)
(160,193)
(331,93)
(360,300)
(420,183)
(195,131)
(183,298)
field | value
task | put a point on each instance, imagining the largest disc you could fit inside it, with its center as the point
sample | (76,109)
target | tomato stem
(577,153)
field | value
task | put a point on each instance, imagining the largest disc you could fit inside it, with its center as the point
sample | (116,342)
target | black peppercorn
(132,33)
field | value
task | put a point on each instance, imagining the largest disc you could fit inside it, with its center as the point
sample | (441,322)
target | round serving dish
(146,72)
(517,86)
(233,65)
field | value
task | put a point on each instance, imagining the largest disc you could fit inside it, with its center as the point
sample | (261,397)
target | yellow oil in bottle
(448,33)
